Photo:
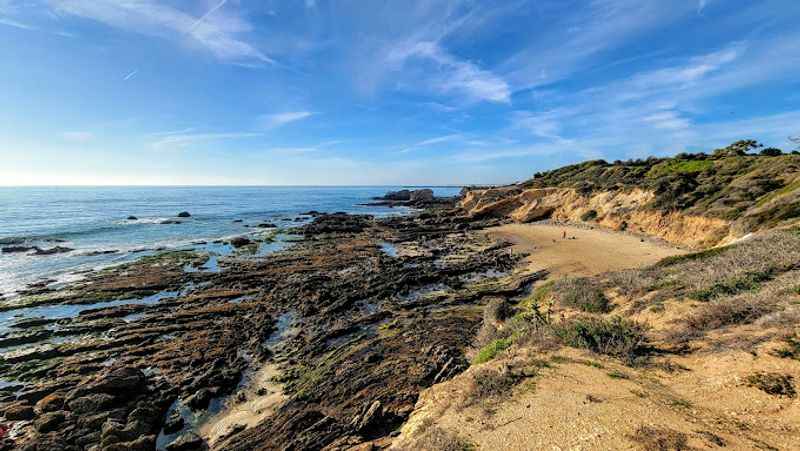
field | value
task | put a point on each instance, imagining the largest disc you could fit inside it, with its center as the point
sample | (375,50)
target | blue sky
(382,92)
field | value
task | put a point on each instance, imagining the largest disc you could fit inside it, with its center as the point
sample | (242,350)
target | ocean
(93,222)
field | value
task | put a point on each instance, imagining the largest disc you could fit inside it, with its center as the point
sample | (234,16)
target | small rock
(50,403)
(170,221)
(19,411)
(237,221)
(184,214)
(16,249)
(267,225)
(52,250)
(187,442)
(200,399)
(240,241)
(132,218)
(49,422)
(91,403)
(174,422)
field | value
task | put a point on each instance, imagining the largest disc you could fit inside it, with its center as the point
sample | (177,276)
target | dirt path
(585,251)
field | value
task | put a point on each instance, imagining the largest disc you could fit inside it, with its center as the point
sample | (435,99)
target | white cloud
(218,33)
(130,75)
(281,119)
(451,75)
(78,136)
(180,140)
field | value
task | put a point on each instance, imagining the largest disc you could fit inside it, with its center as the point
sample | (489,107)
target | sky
(380,92)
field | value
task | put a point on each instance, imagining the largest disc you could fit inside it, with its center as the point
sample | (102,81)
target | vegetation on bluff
(723,184)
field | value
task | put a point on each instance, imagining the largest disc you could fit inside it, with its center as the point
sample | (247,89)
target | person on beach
(563,234)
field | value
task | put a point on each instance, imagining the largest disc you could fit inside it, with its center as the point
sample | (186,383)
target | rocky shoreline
(146,355)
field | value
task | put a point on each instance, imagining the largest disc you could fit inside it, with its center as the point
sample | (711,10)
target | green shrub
(582,293)
(676,259)
(679,167)
(615,336)
(791,350)
(736,285)
(491,350)
(590,215)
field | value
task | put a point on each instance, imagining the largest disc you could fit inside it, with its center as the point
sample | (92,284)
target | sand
(585,252)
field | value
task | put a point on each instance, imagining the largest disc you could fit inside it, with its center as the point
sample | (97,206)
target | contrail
(130,75)
(203,17)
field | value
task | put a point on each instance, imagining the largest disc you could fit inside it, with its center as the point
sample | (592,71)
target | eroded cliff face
(619,210)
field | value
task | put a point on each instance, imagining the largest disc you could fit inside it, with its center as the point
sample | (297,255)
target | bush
(491,350)
(773,383)
(614,336)
(434,438)
(590,215)
(732,286)
(490,383)
(660,439)
(582,293)
(771,152)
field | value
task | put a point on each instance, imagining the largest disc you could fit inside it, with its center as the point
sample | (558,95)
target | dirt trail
(585,252)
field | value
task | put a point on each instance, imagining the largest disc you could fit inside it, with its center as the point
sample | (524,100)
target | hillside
(696,200)
(631,343)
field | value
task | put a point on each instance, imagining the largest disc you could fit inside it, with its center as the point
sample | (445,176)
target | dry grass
(770,304)
(434,438)
(716,272)
(660,439)
(490,385)
(582,293)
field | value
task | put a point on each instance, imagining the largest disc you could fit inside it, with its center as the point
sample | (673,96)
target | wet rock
(184,214)
(170,221)
(19,411)
(200,399)
(187,442)
(237,221)
(50,403)
(143,443)
(240,241)
(421,195)
(174,422)
(337,223)
(107,252)
(17,249)
(90,403)
(267,225)
(403,194)
(132,218)
(49,422)
(52,250)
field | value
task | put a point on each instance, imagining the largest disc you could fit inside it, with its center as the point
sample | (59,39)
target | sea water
(94,219)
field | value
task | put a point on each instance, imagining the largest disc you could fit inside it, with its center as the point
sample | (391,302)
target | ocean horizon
(93,222)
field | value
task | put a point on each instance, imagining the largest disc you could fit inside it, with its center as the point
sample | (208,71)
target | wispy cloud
(180,140)
(15,24)
(302,150)
(433,141)
(222,35)
(130,75)
(451,75)
(280,119)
